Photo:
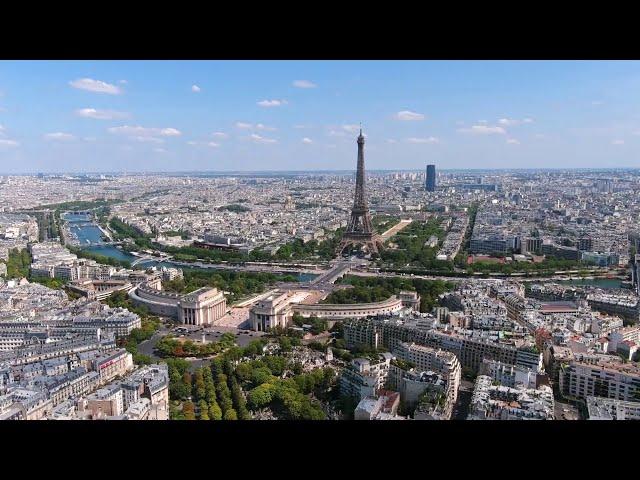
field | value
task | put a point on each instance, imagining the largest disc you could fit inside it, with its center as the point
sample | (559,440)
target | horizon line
(247,172)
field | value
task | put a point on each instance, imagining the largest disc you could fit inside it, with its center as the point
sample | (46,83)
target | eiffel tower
(359,230)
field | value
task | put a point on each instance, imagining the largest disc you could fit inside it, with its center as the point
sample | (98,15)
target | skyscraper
(430,185)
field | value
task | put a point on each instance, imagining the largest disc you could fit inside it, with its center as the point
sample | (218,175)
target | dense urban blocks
(506,295)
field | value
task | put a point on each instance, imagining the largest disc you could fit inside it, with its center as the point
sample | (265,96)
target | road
(461,408)
(565,411)
(148,346)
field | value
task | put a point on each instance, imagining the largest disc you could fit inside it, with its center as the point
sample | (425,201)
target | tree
(239,402)
(187,379)
(227,368)
(261,396)
(329,376)
(290,401)
(228,339)
(298,320)
(254,348)
(199,385)
(216,367)
(297,368)
(243,372)
(285,344)
(178,390)
(311,411)
(224,395)
(214,411)
(189,411)
(276,364)
(234,353)
(230,414)
(305,383)
(226,404)
(204,410)
(260,375)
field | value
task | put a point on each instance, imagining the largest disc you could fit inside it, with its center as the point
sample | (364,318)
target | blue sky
(73,116)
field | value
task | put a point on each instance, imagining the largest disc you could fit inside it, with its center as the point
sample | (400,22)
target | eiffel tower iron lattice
(360,229)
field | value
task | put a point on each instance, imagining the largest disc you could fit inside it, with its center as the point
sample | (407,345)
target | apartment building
(112,364)
(383,406)
(429,359)
(365,377)
(626,306)
(600,408)
(509,375)
(607,378)
(470,351)
(491,401)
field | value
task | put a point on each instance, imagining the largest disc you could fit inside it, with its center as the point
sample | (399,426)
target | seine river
(85,229)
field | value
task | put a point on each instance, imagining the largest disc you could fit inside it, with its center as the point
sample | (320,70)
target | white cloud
(304,84)
(1,130)
(243,125)
(391,140)
(513,141)
(195,88)
(8,143)
(351,128)
(423,140)
(407,115)
(307,140)
(272,103)
(147,139)
(219,135)
(138,131)
(597,103)
(508,122)
(123,82)
(617,142)
(101,114)
(483,130)
(260,126)
(257,138)
(159,150)
(208,144)
(336,133)
(59,136)
(170,132)
(96,86)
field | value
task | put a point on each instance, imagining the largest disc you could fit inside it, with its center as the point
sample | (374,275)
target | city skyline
(286,116)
